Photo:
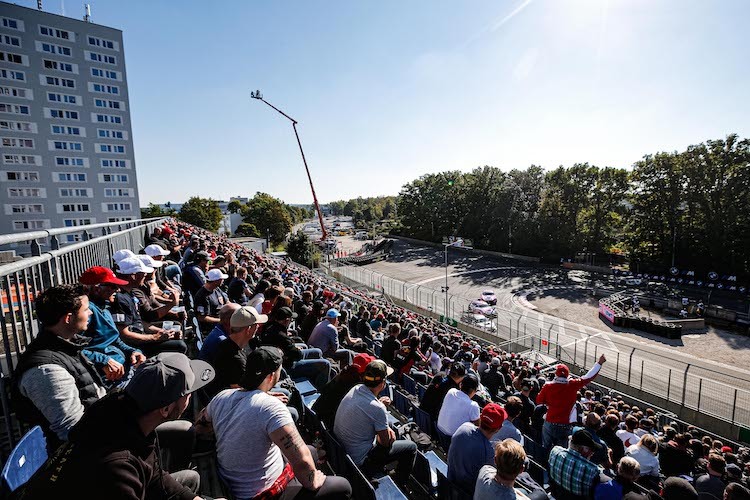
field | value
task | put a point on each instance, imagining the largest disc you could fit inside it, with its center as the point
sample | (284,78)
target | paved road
(418,273)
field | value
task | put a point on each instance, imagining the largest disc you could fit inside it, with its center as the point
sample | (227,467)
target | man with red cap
(559,396)
(114,358)
(471,448)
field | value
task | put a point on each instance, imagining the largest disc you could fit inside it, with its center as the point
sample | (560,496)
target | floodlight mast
(259,96)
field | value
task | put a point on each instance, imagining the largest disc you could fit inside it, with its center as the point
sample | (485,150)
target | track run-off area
(702,372)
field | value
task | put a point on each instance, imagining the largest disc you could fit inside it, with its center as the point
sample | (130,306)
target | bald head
(225,314)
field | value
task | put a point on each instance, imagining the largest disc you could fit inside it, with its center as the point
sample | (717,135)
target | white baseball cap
(122,254)
(156,250)
(216,275)
(133,265)
(150,262)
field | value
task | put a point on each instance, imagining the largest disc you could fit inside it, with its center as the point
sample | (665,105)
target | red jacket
(560,398)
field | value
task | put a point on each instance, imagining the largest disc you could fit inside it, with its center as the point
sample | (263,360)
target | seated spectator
(627,435)
(471,448)
(711,484)
(325,337)
(458,407)
(231,358)
(628,471)
(219,332)
(259,450)
(560,396)
(154,304)
(608,435)
(408,360)
(491,379)
(113,358)
(645,453)
(496,483)
(362,420)
(53,383)
(312,319)
(513,407)
(334,391)
(523,421)
(259,297)
(391,345)
(572,474)
(674,457)
(126,312)
(194,276)
(677,488)
(306,363)
(238,289)
(209,299)
(735,491)
(645,426)
(113,451)
(441,383)
(592,423)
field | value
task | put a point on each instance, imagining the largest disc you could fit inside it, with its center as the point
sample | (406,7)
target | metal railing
(690,390)
(22,280)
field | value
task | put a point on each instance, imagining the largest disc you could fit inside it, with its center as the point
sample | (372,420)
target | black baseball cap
(470,382)
(260,363)
(375,372)
(165,378)
(284,313)
(582,437)
(201,256)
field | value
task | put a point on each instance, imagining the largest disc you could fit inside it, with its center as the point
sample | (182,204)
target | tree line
(366,210)
(690,207)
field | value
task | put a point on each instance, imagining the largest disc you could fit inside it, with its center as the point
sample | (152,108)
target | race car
(481,307)
(489,297)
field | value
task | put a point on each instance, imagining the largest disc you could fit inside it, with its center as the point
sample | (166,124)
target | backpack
(411,431)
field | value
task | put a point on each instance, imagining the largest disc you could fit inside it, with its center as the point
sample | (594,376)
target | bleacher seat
(310,399)
(363,489)
(336,453)
(377,347)
(424,421)
(537,472)
(304,387)
(26,458)
(421,389)
(402,403)
(449,491)
(410,385)
(426,466)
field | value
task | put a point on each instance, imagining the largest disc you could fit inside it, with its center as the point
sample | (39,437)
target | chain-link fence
(677,385)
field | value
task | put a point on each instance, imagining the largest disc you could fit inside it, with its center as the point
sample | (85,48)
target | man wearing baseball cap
(209,299)
(571,472)
(325,336)
(471,448)
(362,420)
(126,311)
(194,275)
(559,396)
(259,450)
(114,358)
(113,451)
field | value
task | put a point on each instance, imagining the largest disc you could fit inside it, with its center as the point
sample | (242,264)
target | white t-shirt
(457,409)
(627,437)
(249,462)
(435,362)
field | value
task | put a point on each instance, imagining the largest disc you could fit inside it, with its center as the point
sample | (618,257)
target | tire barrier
(612,309)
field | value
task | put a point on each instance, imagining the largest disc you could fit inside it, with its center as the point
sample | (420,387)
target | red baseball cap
(97,275)
(561,370)
(361,361)
(492,417)
(727,449)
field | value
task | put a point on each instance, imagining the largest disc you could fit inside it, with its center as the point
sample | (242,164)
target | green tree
(234,207)
(269,215)
(202,212)
(301,249)
(154,210)
(245,229)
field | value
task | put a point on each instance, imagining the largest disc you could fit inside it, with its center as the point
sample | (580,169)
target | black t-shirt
(391,345)
(208,303)
(125,312)
(276,335)
(433,397)
(236,291)
(229,363)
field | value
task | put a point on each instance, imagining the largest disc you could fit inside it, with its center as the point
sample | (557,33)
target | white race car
(481,307)
(489,297)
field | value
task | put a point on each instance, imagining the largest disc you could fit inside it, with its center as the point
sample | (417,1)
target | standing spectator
(496,483)
(560,397)
(113,357)
(492,380)
(523,421)
(362,419)
(113,451)
(711,483)
(325,337)
(458,407)
(258,447)
(572,474)
(53,382)
(433,397)
(471,448)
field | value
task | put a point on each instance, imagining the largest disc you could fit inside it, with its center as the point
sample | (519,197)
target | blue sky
(387,91)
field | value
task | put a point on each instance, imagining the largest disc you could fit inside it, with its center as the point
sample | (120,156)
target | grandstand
(21,281)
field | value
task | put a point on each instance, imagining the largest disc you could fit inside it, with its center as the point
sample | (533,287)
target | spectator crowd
(124,408)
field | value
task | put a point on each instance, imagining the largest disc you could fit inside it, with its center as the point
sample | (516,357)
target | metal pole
(669,384)
(684,384)
(446,281)
(640,387)
(630,364)
(700,389)
(734,405)
(617,367)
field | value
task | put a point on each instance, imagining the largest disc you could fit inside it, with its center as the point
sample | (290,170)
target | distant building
(67,147)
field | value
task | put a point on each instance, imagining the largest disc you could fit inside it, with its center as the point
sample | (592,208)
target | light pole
(259,96)
(445,288)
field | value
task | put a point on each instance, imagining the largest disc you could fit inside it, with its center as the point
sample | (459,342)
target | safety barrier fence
(694,391)
(22,280)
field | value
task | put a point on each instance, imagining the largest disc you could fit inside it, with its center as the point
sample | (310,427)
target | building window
(11,57)
(110,134)
(108,118)
(51,48)
(103,58)
(15,92)
(22,159)
(15,142)
(10,23)
(115,164)
(26,193)
(66,98)
(70,177)
(9,74)
(65,130)
(11,40)
(117,192)
(102,42)
(114,178)
(57,82)
(77,222)
(25,225)
(34,208)
(116,207)
(110,148)
(67,161)
(106,103)
(104,89)
(16,109)
(56,33)
(70,146)
(22,176)
(105,73)
(61,113)
(17,126)
(75,193)
(60,66)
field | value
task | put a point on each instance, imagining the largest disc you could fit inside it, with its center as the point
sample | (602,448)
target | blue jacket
(105,338)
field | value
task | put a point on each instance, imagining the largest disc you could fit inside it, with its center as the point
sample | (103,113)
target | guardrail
(695,392)
(22,280)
